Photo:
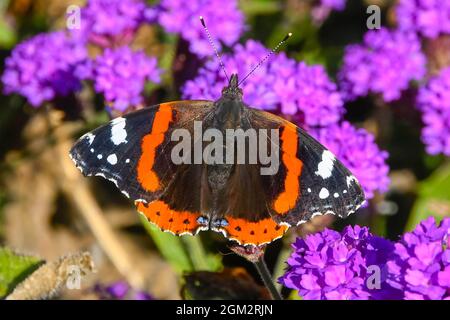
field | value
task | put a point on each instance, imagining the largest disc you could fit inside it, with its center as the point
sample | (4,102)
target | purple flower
(120,291)
(384,64)
(223,18)
(420,265)
(427,17)
(333,266)
(434,102)
(323,9)
(120,74)
(280,84)
(103,19)
(43,67)
(358,151)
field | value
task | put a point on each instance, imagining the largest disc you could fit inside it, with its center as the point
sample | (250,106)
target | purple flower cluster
(358,151)
(420,266)
(54,64)
(336,266)
(331,265)
(434,102)
(281,84)
(223,18)
(427,17)
(120,74)
(43,67)
(120,291)
(384,64)
(102,19)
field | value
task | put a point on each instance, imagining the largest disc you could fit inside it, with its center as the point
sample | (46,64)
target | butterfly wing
(133,151)
(309,181)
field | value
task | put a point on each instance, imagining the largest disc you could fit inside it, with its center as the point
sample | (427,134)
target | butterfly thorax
(229,108)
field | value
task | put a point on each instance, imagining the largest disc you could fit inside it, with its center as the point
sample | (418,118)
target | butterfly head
(232,91)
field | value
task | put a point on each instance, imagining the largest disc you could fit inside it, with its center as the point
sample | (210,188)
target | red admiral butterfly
(233,197)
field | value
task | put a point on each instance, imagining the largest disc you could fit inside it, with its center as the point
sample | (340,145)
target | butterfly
(188,185)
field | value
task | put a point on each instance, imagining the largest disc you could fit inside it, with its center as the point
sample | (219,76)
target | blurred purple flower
(385,63)
(43,67)
(223,18)
(420,265)
(324,7)
(434,102)
(358,151)
(427,17)
(103,19)
(335,266)
(279,84)
(120,74)
(120,291)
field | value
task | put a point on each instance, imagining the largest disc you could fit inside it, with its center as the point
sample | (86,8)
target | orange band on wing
(177,222)
(289,144)
(145,174)
(256,233)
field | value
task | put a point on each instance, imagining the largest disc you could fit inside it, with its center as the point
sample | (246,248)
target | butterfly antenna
(274,50)
(211,42)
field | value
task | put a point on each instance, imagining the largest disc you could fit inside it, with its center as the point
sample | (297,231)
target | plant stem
(263,271)
(196,253)
(281,264)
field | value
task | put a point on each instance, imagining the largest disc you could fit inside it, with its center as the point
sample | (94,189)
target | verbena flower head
(101,19)
(120,75)
(336,266)
(434,102)
(357,150)
(43,67)
(280,84)
(384,64)
(223,18)
(427,17)
(120,291)
(420,265)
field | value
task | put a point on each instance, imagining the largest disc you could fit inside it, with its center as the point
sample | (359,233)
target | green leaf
(184,253)
(170,247)
(433,197)
(201,260)
(257,7)
(14,268)
(7,36)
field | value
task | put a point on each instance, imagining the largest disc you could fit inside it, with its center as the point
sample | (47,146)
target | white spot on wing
(127,161)
(112,159)
(351,179)
(325,167)
(99,156)
(323,194)
(89,136)
(118,132)
(336,195)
